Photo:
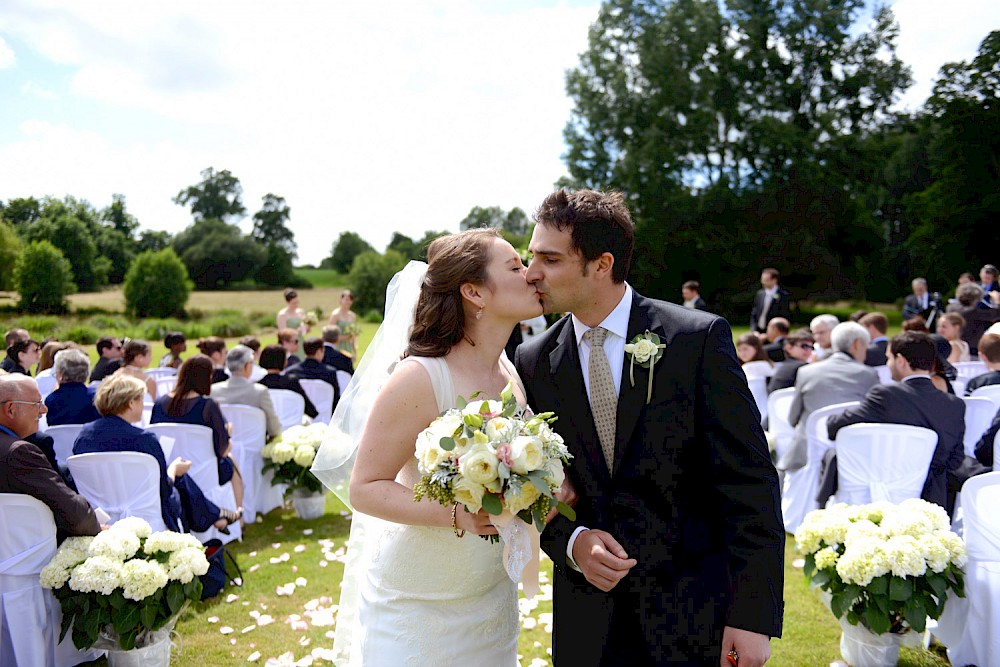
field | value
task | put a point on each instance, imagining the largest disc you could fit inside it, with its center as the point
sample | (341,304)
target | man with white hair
(73,401)
(241,390)
(842,377)
(919,302)
(821,327)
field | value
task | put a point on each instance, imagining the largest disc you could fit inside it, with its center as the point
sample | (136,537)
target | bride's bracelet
(454,521)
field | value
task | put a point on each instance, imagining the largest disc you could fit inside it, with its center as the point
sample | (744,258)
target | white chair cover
(343,379)
(165,384)
(969,369)
(970,626)
(884,374)
(779,403)
(120,483)
(43,423)
(320,392)
(882,462)
(979,413)
(194,443)
(799,487)
(30,616)
(959,387)
(289,406)
(758,387)
(63,438)
(249,427)
(46,384)
(157,373)
(990,391)
(758,369)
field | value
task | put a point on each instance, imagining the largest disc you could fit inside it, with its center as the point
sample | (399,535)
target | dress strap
(440,374)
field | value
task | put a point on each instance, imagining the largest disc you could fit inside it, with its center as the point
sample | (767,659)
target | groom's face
(556,270)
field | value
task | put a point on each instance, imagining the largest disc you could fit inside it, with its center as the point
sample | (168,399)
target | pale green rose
(523,500)
(641,350)
(496,429)
(527,454)
(304,455)
(555,473)
(479,465)
(468,493)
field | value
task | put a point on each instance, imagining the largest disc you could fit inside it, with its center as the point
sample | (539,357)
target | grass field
(322,277)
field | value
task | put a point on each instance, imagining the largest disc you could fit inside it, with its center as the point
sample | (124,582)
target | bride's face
(510,293)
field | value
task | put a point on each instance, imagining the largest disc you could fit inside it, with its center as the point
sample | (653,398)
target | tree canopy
(218,195)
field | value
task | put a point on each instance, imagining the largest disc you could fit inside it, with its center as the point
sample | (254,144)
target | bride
(416,592)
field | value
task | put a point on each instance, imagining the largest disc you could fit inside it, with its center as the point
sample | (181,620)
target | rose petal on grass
(301,581)
(232,597)
(253,568)
(253,657)
(307,531)
(253,554)
(275,545)
(247,629)
(330,634)
(254,614)
(299,548)
(287,589)
(265,619)
(226,630)
(799,563)
(300,625)
(304,641)
(212,619)
(323,563)
(278,529)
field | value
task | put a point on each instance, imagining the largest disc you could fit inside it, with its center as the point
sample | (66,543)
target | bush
(373,317)
(44,278)
(157,285)
(81,333)
(229,326)
(40,326)
(370,275)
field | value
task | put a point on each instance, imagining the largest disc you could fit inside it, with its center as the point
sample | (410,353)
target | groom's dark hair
(598,222)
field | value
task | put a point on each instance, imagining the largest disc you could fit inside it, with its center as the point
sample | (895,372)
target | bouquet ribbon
(520,550)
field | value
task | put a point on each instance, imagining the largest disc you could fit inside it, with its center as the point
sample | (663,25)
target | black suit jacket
(875,356)
(276,381)
(334,357)
(916,403)
(978,319)
(911,306)
(784,377)
(693,495)
(781,306)
(310,369)
(24,469)
(776,351)
(103,368)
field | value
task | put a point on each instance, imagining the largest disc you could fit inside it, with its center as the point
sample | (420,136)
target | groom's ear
(604,263)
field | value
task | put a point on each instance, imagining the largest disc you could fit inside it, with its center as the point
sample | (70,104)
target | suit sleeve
(31,472)
(984,448)
(795,411)
(871,410)
(309,407)
(745,486)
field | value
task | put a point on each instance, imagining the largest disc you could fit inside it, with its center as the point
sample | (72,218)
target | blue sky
(368,117)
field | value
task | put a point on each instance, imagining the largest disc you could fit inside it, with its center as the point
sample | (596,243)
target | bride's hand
(478,523)
(566,494)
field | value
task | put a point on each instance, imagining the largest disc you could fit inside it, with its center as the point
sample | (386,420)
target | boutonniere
(645,350)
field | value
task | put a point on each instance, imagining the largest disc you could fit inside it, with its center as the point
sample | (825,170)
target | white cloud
(32,88)
(7,57)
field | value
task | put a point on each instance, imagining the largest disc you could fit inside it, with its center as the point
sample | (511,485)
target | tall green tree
(216,254)
(10,249)
(21,211)
(347,246)
(270,230)
(117,216)
(44,278)
(370,275)
(153,239)
(219,195)
(73,226)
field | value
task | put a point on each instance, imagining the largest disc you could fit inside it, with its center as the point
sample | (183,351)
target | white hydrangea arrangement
(291,455)
(888,567)
(491,455)
(125,583)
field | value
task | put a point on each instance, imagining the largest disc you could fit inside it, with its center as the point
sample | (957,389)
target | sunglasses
(806,346)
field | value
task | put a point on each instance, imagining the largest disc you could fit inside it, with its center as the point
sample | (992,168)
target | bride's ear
(474,294)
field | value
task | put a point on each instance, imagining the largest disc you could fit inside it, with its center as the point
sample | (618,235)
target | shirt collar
(616,322)
(10,433)
(916,377)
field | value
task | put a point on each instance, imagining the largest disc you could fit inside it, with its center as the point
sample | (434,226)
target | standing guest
(842,377)
(798,347)
(254,345)
(289,339)
(977,314)
(821,327)
(72,402)
(533,327)
(877,325)
(691,291)
(774,336)
(988,281)
(25,469)
(916,323)
(242,390)
(749,348)
(919,302)
(119,400)
(9,339)
(347,320)
(770,301)
(24,354)
(138,356)
(214,348)
(292,316)
(313,368)
(966,278)
(109,349)
(333,356)
(190,403)
(950,326)
(272,358)
(176,343)
(989,354)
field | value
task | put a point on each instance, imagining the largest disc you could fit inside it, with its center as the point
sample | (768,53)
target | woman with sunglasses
(798,347)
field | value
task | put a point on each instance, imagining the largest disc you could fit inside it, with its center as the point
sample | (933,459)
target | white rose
(527,454)
(496,428)
(476,407)
(523,500)
(431,456)
(555,473)
(642,350)
(468,493)
(479,465)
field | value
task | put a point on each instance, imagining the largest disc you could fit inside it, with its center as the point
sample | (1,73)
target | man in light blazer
(840,378)
(240,390)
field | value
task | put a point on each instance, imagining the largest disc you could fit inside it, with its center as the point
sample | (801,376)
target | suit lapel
(632,399)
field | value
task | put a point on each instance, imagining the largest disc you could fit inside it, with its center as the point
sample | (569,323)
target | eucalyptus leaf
(447,443)
(503,471)
(566,510)
(492,504)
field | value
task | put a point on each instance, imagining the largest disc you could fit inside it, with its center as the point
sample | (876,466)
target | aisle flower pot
(308,504)
(860,647)
(154,654)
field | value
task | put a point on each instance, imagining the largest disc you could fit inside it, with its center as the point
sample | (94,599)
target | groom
(677,553)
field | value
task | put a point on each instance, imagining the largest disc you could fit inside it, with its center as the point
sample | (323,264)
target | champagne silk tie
(603,397)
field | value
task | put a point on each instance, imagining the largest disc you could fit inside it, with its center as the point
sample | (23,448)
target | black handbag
(219,573)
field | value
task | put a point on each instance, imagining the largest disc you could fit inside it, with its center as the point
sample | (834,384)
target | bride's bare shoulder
(410,386)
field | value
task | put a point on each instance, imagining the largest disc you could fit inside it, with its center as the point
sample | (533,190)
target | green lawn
(322,277)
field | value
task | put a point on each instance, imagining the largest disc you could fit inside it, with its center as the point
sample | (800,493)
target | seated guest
(254,345)
(749,348)
(691,291)
(840,378)
(989,354)
(177,344)
(919,302)
(119,400)
(877,325)
(943,372)
(950,327)
(24,354)
(331,355)
(289,339)
(72,402)
(914,400)
(214,348)
(240,389)
(774,337)
(313,368)
(9,339)
(47,358)
(110,351)
(189,403)
(857,315)
(821,327)
(977,315)
(272,358)
(25,469)
(798,346)
(916,323)
(138,355)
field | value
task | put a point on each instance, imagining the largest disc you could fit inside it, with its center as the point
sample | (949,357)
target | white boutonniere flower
(645,350)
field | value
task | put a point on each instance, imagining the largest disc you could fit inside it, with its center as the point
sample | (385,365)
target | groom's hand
(601,559)
(566,494)
(753,649)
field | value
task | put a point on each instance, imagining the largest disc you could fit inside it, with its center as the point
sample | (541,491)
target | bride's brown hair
(439,318)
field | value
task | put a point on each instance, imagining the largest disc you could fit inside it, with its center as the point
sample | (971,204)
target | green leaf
(566,510)
(484,408)
(492,503)
(126,619)
(882,602)
(175,596)
(810,565)
(877,621)
(938,584)
(852,617)
(117,599)
(127,639)
(67,620)
(538,480)
(525,516)
(462,403)
(900,589)
(879,585)
(821,578)
(475,421)
(915,614)
(90,626)
(447,443)
(148,616)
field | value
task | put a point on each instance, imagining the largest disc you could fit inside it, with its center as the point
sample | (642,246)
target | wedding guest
(254,345)
(272,358)
(11,337)
(691,291)
(988,281)
(857,315)
(109,349)
(176,343)
(774,335)
(977,314)
(919,302)
(24,354)
(771,301)
(138,355)
(292,316)
(943,372)
(72,402)
(749,348)
(877,325)
(989,354)
(798,347)
(46,359)
(347,320)
(289,340)
(821,327)
(313,368)
(950,326)
(214,348)
(241,389)
(916,323)
(332,356)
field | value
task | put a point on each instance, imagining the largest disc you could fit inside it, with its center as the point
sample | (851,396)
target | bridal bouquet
(291,455)
(496,456)
(121,587)
(887,567)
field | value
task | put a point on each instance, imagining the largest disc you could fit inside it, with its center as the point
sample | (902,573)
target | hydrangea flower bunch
(125,583)
(888,567)
(493,455)
(290,456)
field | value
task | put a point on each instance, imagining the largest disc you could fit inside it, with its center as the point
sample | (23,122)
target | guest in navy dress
(190,403)
(119,400)
(73,401)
